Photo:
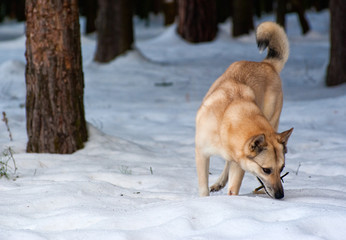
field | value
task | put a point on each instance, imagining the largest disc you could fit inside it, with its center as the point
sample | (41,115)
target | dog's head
(265,158)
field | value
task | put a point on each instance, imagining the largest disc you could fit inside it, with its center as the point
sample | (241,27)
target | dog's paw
(216,187)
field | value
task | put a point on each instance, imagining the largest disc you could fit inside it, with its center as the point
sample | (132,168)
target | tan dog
(239,117)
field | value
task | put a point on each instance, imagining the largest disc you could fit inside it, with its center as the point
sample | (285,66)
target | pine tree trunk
(242,17)
(20,10)
(170,11)
(90,13)
(281,12)
(114,29)
(54,77)
(336,73)
(299,9)
(197,20)
(223,10)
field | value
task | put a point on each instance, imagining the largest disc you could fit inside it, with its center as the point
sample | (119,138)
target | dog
(239,117)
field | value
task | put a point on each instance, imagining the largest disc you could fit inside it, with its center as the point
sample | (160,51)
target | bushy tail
(273,36)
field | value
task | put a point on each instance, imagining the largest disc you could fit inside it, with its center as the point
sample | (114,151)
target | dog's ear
(284,136)
(257,143)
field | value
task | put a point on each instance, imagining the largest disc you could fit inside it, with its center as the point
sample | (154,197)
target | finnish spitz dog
(239,117)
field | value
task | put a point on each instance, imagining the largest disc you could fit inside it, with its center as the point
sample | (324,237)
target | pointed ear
(257,143)
(284,136)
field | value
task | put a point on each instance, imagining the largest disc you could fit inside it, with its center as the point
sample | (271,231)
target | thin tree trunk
(223,10)
(90,13)
(336,73)
(54,77)
(170,11)
(114,29)
(299,9)
(197,20)
(281,12)
(20,10)
(242,17)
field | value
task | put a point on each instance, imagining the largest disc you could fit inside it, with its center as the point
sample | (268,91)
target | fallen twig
(260,187)
(298,168)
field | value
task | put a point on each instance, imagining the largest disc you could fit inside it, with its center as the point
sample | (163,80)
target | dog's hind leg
(202,165)
(222,180)
(272,109)
(235,178)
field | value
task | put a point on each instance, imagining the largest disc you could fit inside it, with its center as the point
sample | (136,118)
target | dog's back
(261,77)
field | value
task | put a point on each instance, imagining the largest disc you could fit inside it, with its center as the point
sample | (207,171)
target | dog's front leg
(202,165)
(235,177)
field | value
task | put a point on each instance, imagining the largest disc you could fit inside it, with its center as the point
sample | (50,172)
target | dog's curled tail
(273,36)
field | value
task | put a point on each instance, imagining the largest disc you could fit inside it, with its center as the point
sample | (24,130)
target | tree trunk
(261,6)
(281,12)
(197,20)
(242,17)
(20,10)
(336,73)
(90,13)
(223,10)
(54,77)
(320,4)
(267,6)
(299,9)
(114,29)
(170,11)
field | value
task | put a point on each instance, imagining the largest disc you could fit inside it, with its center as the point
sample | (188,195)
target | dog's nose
(279,194)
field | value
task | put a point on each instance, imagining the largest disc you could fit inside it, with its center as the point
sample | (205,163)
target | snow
(135,178)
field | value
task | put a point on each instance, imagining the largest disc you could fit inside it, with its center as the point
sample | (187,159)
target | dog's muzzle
(278,194)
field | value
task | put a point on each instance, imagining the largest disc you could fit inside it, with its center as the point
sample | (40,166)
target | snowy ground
(135,178)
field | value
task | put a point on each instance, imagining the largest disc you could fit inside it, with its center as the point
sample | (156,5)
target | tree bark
(114,29)
(170,11)
(281,12)
(299,9)
(54,77)
(90,13)
(20,10)
(242,17)
(223,10)
(197,20)
(336,73)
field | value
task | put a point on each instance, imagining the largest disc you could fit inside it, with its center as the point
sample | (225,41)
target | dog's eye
(267,170)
